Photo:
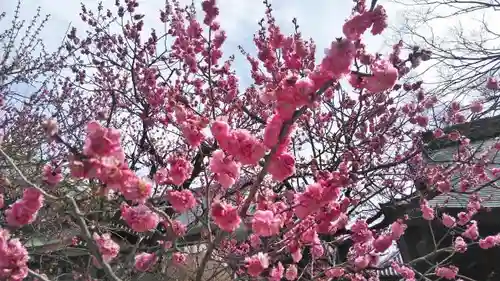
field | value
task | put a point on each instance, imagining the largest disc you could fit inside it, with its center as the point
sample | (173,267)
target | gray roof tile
(388,270)
(490,194)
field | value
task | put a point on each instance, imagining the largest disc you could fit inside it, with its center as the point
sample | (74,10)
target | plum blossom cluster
(52,175)
(140,218)
(181,201)
(24,211)
(103,158)
(367,245)
(191,126)
(293,92)
(225,216)
(178,172)
(404,271)
(247,150)
(471,232)
(178,227)
(384,76)
(108,248)
(323,193)
(13,258)
(225,169)
(282,163)
(266,223)
(257,264)
(320,211)
(447,272)
(145,261)
(179,258)
(492,84)
(415,110)
(238,143)
(363,20)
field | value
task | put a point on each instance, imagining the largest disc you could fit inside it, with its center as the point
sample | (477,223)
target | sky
(318,19)
(321,20)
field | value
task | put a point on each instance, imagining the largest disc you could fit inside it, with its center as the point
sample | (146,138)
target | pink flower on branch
(24,211)
(140,218)
(291,272)
(225,216)
(384,77)
(145,261)
(242,146)
(382,243)
(355,27)
(448,273)
(277,272)
(314,197)
(108,248)
(272,133)
(405,271)
(427,211)
(397,229)
(179,258)
(101,142)
(226,170)
(52,176)
(136,190)
(266,223)
(449,221)
(472,231)
(282,166)
(492,84)
(460,245)
(489,242)
(181,201)
(13,258)
(180,170)
(256,264)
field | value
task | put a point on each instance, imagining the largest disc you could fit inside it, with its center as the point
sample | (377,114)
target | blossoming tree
(465,53)
(26,67)
(144,128)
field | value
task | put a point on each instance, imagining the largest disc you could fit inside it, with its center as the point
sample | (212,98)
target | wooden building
(422,238)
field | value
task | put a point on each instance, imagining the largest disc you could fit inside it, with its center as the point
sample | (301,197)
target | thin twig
(90,241)
(23,178)
(130,256)
(164,215)
(39,276)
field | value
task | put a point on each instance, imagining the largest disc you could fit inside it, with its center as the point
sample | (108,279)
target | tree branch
(90,241)
(23,178)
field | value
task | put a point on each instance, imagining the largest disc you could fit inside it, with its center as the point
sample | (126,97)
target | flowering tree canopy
(152,161)
(463,40)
